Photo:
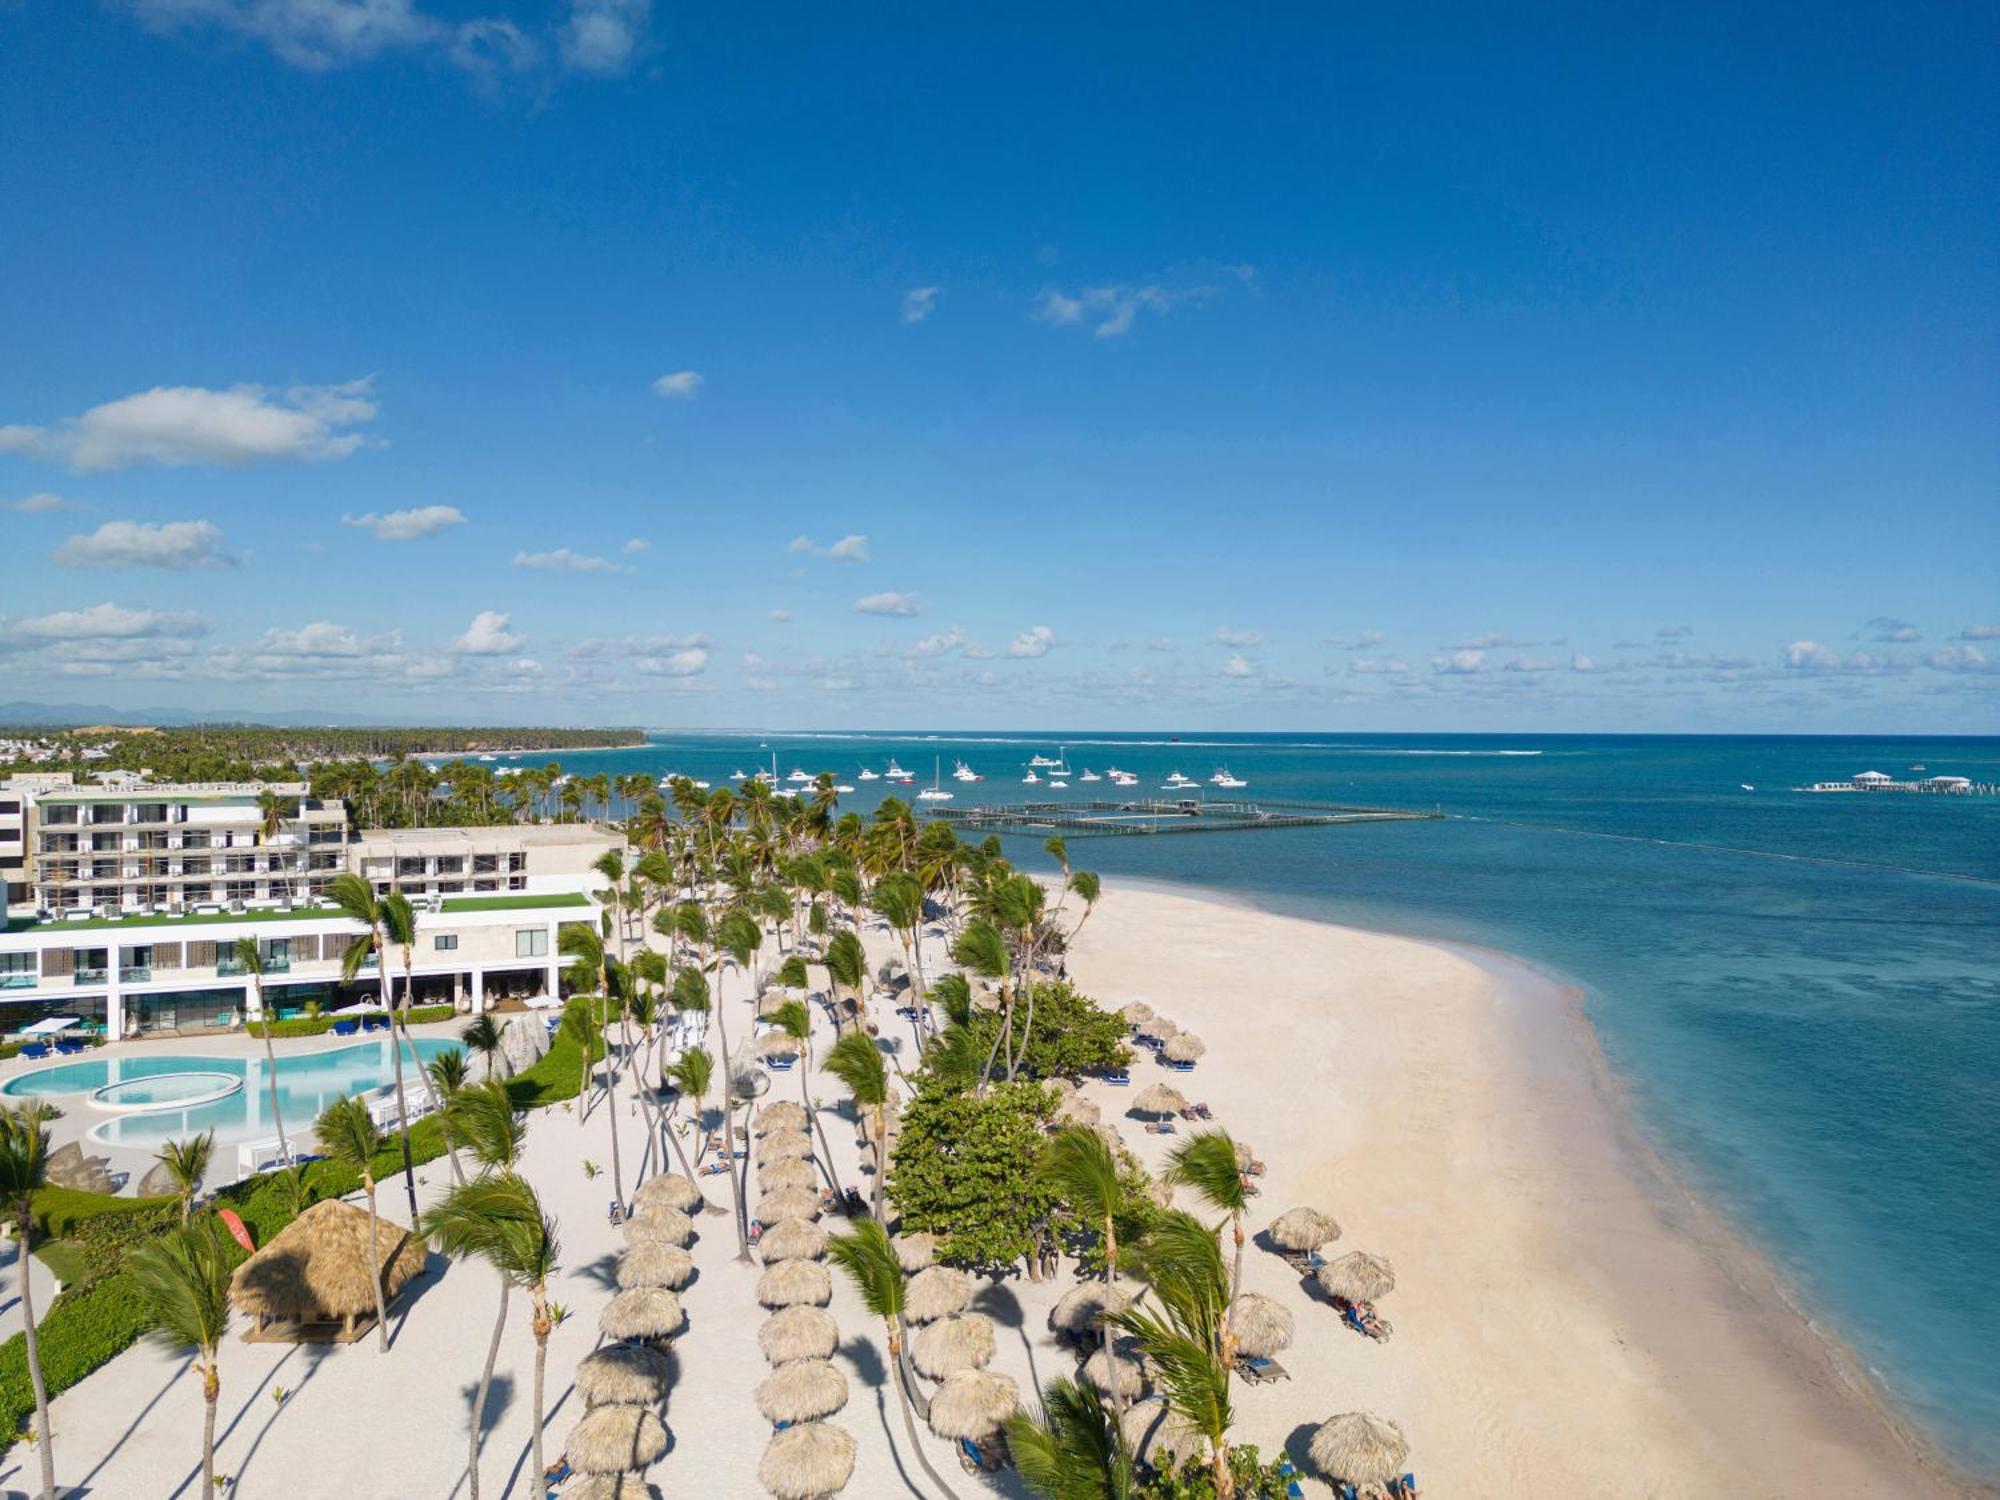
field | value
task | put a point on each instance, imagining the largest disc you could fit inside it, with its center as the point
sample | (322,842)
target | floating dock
(1142,815)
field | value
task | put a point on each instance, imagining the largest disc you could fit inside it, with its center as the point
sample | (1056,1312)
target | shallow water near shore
(1800,993)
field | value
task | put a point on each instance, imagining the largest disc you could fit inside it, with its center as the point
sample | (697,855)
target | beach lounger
(1161,1127)
(980,1458)
(1290,1475)
(1117,1080)
(344,1028)
(1261,1371)
(1404,1488)
(1346,1491)
(780,1064)
(1178,1067)
(35,1049)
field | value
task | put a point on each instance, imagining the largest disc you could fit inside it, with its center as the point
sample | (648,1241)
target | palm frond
(868,1257)
(1206,1162)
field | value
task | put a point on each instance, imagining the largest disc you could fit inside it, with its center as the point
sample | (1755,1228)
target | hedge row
(90,1325)
(297,1026)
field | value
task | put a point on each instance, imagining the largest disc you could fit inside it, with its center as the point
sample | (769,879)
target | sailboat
(935,792)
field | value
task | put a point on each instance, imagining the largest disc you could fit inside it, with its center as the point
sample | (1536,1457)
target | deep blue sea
(1802,992)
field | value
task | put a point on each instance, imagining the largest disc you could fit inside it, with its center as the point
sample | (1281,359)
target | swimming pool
(307,1082)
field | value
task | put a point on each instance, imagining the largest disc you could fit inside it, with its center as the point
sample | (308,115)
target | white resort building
(124,903)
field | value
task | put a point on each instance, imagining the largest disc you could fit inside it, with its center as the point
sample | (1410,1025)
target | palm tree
(691,1074)
(846,966)
(796,1022)
(739,937)
(482,1034)
(250,959)
(1073,1450)
(580,1027)
(24,1171)
(868,1257)
(1082,1170)
(358,903)
(1182,1262)
(499,1219)
(347,1134)
(187,1163)
(1206,1162)
(857,1062)
(446,1074)
(981,950)
(183,1281)
(595,968)
(488,1120)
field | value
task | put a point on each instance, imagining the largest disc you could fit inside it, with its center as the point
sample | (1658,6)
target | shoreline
(1724,1340)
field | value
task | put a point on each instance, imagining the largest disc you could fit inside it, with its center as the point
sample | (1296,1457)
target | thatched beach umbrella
(936,1292)
(1136,1013)
(623,1375)
(1158,1099)
(792,1239)
(1302,1229)
(916,1251)
(798,1333)
(770,1003)
(1154,1434)
(985,998)
(1262,1327)
(611,1487)
(666,1226)
(1161,1191)
(316,1271)
(1184,1048)
(643,1312)
(1076,1110)
(1158,1029)
(1358,1277)
(781,1114)
(1359,1447)
(1063,1086)
(803,1391)
(1080,1309)
(666,1190)
(778,1044)
(973,1404)
(787,1203)
(1121,1375)
(654,1263)
(784,1145)
(616,1439)
(807,1462)
(962,1342)
(788,1174)
(792,1282)
(1108,1133)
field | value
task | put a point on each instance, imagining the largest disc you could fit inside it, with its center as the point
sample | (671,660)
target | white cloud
(323,638)
(601,36)
(1110,311)
(681,385)
(941,644)
(104,622)
(1238,666)
(689,662)
(1034,641)
(888,603)
(1370,666)
(1367,640)
(1888,628)
(41,504)
(407,525)
(1494,640)
(1969,659)
(1242,639)
(1161,643)
(780,617)
(173,545)
(177,425)
(918,303)
(1466,662)
(1578,662)
(637,545)
(315,34)
(563,560)
(1811,656)
(851,548)
(1980,633)
(488,635)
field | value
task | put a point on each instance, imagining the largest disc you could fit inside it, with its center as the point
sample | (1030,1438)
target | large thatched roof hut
(791,1283)
(1302,1229)
(1185,1048)
(644,1312)
(668,1226)
(781,1114)
(773,1175)
(1122,1374)
(1076,1110)
(611,1487)
(973,1404)
(622,1375)
(944,1348)
(314,1280)
(808,1462)
(936,1292)
(1136,1012)
(916,1251)
(616,1439)
(802,1391)
(792,1239)
(1263,1327)
(1359,1447)
(1158,1099)
(1357,1277)
(654,1263)
(667,1190)
(798,1333)
(787,1203)
(783,1145)
(1158,1029)
(1153,1433)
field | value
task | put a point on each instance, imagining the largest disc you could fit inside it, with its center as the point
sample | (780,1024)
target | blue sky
(588,360)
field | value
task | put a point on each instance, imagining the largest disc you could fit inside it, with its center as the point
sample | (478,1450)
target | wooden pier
(1143,815)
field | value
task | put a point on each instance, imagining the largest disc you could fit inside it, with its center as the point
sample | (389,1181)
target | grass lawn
(522,902)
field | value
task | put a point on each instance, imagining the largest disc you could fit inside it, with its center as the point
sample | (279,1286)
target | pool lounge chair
(69,1046)
(1178,1067)
(780,1064)
(35,1049)
(1118,1080)
(1290,1475)
(345,1028)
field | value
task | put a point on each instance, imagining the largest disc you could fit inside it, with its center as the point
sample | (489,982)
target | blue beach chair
(1118,1080)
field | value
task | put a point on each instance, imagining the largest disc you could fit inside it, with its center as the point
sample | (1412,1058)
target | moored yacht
(1224,777)
(1176,782)
(1031,779)
(960,771)
(1089,775)
(935,792)
(738,776)
(1043,760)
(868,775)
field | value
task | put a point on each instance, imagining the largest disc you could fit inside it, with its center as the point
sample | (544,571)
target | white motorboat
(1059,785)
(868,775)
(1224,777)
(738,776)
(842,788)
(489,757)
(1039,761)
(701,786)
(960,771)
(1176,782)
(896,772)
(1089,775)
(1031,779)
(798,776)
(789,794)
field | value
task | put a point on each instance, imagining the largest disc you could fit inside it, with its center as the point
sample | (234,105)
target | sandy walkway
(1554,1336)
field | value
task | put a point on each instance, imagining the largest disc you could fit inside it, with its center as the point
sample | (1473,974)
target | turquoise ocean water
(1801,992)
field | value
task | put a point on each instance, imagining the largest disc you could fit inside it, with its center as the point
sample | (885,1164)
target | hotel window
(445,942)
(240,890)
(531,942)
(195,893)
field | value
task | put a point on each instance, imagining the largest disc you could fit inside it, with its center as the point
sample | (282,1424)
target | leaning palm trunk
(611,1120)
(396,1055)
(729,1128)
(543,1323)
(271,1072)
(46,1446)
(904,1399)
(819,1129)
(423,1077)
(211,1393)
(375,1264)
(881,1158)
(479,1396)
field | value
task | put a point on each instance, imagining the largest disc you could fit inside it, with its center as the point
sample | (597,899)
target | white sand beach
(1561,1326)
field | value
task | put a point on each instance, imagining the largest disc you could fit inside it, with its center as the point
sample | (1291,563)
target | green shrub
(59,1211)
(425,1015)
(83,1331)
(297,1026)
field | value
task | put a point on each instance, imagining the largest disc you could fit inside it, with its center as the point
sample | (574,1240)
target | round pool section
(140,1096)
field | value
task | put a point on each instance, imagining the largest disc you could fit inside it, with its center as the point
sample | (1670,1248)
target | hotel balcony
(135,974)
(90,976)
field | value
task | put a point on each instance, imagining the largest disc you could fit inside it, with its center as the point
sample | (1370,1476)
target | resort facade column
(478,991)
(114,1015)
